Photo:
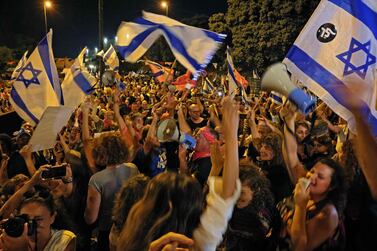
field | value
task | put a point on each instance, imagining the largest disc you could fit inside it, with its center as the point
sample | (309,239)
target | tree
(5,56)
(262,31)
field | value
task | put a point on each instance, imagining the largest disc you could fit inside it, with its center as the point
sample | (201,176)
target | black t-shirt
(201,168)
(194,125)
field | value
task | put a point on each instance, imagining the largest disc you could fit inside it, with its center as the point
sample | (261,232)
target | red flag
(183,80)
(240,79)
(160,72)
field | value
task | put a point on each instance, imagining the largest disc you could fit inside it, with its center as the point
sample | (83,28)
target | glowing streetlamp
(165,5)
(46,5)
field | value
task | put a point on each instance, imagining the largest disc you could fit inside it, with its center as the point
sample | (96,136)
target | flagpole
(100,36)
(170,71)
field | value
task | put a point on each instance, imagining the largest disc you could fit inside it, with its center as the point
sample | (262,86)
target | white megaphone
(276,78)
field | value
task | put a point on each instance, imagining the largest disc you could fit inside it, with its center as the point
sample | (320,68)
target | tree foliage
(5,56)
(262,31)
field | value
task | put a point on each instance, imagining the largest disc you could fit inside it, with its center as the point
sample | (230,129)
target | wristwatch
(67,180)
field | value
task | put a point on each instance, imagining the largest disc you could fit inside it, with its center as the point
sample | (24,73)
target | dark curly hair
(110,149)
(253,177)
(338,186)
(130,193)
(274,141)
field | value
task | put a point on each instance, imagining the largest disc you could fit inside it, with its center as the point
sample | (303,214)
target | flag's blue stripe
(157,74)
(324,78)
(135,43)
(209,84)
(83,83)
(213,35)
(43,49)
(276,98)
(361,11)
(231,73)
(44,54)
(108,54)
(20,103)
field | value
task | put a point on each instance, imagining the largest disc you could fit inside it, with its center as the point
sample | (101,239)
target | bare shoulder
(328,216)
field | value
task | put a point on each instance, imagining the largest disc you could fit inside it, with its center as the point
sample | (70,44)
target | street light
(46,5)
(165,5)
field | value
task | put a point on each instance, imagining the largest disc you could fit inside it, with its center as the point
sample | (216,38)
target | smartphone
(55,172)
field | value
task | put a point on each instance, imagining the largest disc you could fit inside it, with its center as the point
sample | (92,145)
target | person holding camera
(31,228)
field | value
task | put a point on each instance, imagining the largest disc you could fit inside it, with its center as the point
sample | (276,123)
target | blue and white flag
(277,98)
(77,83)
(338,48)
(33,89)
(111,59)
(233,84)
(19,66)
(193,47)
(207,85)
(232,81)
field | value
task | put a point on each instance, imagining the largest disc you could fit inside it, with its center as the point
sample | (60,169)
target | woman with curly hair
(270,160)
(312,218)
(109,151)
(254,216)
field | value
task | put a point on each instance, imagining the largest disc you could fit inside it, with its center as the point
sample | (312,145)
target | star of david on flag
(37,84)
(337,49)
(29,80)
(346,58)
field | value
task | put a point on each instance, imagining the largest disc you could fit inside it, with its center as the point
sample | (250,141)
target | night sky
(75,22)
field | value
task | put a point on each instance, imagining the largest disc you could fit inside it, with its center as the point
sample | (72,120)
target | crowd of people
(153,168)
(5,105)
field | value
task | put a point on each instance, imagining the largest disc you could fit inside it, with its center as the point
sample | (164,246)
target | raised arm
(183,126)
(87,139)
(366,144)
(151,139)
(26,154)
(230,124)
(252,124)
(289,147)
(14,201)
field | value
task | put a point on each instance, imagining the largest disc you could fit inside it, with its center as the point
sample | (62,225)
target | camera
(14,227)
(55,172)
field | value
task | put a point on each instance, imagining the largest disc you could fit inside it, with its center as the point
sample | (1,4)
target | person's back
(107,182)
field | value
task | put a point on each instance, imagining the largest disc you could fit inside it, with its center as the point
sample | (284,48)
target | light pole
(46,5)
(165,5)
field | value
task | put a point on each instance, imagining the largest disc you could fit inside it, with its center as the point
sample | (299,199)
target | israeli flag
(77,83)
(36,86)
(277,98)
(111,59)
(207,85)
(338,48)
(232,81)
(19,66)
(193,47)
